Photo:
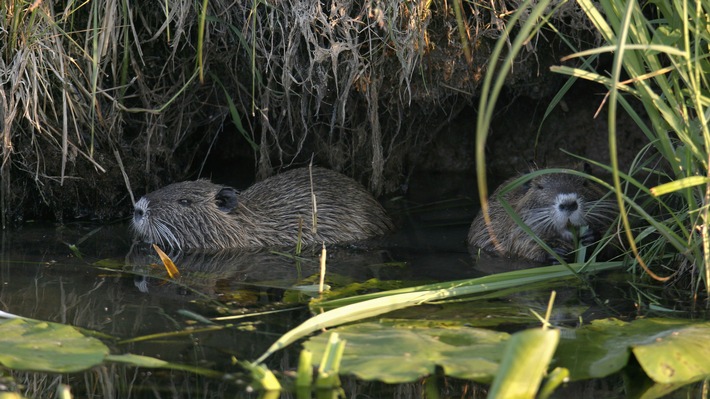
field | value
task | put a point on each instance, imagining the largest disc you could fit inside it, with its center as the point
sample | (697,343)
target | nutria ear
(226,199)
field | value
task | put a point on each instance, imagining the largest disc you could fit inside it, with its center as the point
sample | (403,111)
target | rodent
(550,204)
(272,213)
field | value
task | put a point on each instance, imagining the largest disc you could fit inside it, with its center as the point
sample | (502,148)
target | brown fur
(548,204)
(202,215)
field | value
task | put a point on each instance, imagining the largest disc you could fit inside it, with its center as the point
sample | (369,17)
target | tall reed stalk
(660,55)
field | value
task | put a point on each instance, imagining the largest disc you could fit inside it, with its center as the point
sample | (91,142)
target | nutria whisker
(164,233)
(203,215)
(602,212)
(161,234)
(539,219)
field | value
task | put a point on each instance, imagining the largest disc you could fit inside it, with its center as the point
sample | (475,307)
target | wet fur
(537,202)
(203,215)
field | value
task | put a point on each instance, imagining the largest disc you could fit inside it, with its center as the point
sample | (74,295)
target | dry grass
(364,85)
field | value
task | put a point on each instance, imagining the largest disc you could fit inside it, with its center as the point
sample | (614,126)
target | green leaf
(525,362)
(596,350)
(679,184)
(330,363)
(667,36)
(378,303)
(138,360)
(678,355)
(669,350)
(52,347)
(402,353)
(151,362)
(304,377)
(262,377)
(556,378)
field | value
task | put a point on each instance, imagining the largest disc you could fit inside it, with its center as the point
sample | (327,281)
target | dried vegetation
(99,98)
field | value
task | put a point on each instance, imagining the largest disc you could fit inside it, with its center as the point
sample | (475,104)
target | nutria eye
(540,187)
(184,202)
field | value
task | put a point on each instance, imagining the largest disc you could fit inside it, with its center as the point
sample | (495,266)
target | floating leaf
(398,354)
(594,351)
(371,305)
(52,347)
(677,355)
(669,350)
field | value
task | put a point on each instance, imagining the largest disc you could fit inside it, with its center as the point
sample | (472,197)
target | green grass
(664,225)
(361,307)
(662,60)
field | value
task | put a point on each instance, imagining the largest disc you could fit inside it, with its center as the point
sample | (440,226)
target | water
(96,278)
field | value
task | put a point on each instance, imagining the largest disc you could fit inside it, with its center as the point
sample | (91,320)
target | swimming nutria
(203,215)
(550,205)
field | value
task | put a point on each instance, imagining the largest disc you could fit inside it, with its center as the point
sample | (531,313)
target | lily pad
(668,350)
(402,353)
(596,350)
(677,355)
(52,347)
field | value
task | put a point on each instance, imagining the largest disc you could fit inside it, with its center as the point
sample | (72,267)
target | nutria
(274,212)
(551,205)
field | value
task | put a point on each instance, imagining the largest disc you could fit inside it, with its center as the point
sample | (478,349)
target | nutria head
(551,204)
(184,215)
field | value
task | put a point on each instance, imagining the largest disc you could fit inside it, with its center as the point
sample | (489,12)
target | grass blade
(394,300)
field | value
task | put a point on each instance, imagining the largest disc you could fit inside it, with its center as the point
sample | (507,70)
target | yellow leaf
(173,272)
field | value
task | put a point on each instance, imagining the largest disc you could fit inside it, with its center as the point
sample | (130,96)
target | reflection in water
(43,279)
(216,273)
(95,278)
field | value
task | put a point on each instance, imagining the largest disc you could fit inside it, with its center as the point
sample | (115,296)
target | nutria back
(274,212)
(551,205)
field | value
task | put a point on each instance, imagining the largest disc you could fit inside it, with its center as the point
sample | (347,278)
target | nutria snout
(275,212)
(552,205)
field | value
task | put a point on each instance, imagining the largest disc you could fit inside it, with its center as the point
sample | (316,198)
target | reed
(662,52)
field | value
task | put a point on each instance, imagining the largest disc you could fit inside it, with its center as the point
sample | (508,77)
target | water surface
(95,277)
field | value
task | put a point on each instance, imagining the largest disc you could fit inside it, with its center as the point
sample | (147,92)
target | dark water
(94,277)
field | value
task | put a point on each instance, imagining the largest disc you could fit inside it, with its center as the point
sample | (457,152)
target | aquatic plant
(659,59)
(662,51)
(663,196)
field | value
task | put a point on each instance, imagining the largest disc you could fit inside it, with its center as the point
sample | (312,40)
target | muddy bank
(104,102)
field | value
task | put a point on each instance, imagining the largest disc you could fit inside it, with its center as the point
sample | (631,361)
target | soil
(514,145)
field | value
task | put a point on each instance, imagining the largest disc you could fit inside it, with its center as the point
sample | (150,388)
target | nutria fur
(203,215)
(549,204)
